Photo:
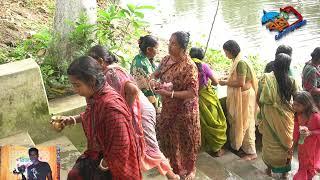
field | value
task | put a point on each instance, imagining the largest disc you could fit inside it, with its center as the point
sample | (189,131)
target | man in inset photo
(38,170)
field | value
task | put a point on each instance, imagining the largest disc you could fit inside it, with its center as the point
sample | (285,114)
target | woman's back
(269,90)
(205,74)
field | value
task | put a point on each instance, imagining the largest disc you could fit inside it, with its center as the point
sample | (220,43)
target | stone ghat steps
(207,167)
(227,167)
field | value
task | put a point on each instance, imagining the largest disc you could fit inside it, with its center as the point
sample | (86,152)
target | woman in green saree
(277,117)
(212,119)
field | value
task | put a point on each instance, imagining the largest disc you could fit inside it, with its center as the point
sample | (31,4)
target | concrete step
(21,139)
(207,168)
(294,166)
(153,174)
(68,154)
(70,105)
(245,169)
(213,168)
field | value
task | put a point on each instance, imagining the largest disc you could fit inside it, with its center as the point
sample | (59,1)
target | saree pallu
(117,77)
(241,108)
(212,120)
(152,156)
(276,126)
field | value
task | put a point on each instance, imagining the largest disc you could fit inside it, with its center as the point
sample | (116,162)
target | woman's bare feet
(191,176)
(219,153)
(249,157)
(172,175)
(269,172)
(285,176)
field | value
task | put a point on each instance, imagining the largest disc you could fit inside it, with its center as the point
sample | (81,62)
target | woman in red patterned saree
(178,128)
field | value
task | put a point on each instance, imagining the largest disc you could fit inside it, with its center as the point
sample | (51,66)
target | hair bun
(141,40)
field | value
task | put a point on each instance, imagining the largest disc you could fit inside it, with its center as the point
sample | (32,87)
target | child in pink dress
(307,135)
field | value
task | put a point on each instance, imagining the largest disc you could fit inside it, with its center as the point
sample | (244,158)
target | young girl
(307,135)
(111,145)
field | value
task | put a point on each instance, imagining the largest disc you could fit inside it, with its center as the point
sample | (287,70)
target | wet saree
(276,125)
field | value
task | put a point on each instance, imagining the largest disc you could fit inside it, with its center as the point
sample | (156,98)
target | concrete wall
(24,105)
(23,101)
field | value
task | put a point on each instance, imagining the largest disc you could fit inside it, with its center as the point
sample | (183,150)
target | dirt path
(18,18)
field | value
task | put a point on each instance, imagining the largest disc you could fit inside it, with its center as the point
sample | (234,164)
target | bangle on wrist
(172,94)
(74,120)
(102,167)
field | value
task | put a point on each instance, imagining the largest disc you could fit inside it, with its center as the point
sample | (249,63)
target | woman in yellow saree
(212,119)
(241,101)
(277,118)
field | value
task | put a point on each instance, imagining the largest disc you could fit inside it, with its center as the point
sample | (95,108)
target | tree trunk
(69,11)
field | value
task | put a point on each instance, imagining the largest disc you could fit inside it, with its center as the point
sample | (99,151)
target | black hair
(199,54)
(182,39)
(147,41)
(33,150)
(232,47)
(87,70)
(304,98)
(284,49)
(315,55)
(281,69)
(99,51)
(196,53)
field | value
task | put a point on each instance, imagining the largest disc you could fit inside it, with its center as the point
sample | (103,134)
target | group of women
(125,135)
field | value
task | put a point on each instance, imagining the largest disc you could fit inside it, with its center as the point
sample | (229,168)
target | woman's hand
(305,133)
(163,92)
(60,122)
(154,84)
(223,82)
(67,120)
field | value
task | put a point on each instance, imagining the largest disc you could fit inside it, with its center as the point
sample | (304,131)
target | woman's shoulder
(110,98)
(138,59)
(316,115)
(242,64)
(309,68)
(266,76)
(165,58)
(190,63)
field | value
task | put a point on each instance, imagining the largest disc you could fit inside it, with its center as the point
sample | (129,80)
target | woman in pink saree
(307,135)
(143,111)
